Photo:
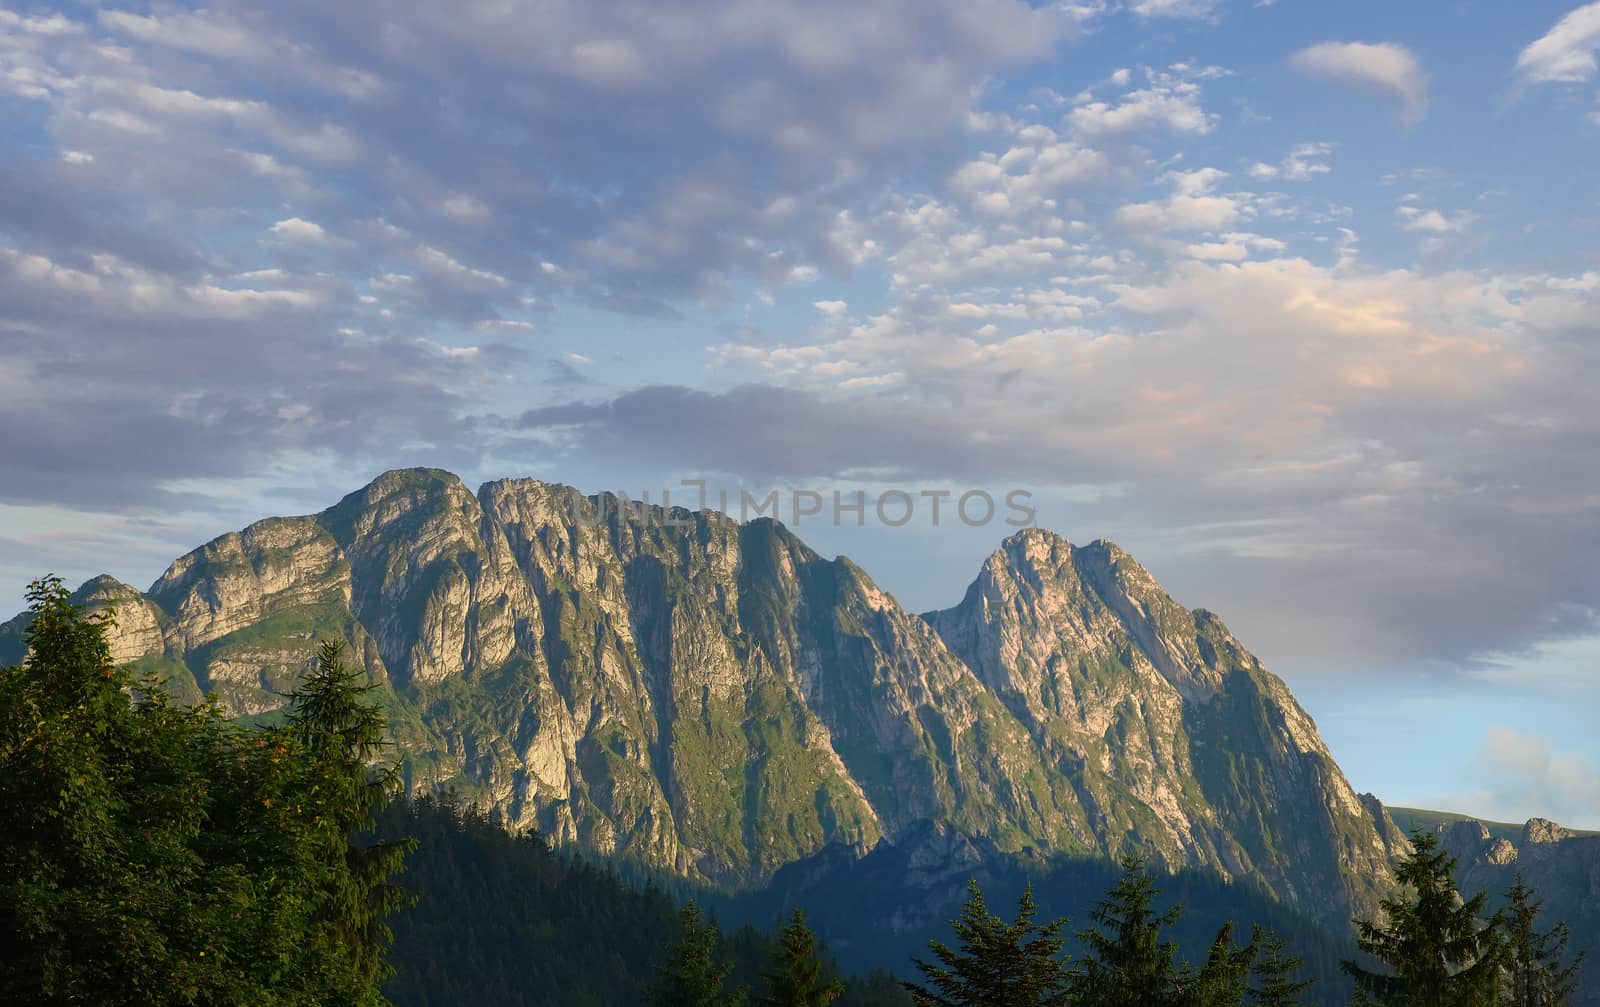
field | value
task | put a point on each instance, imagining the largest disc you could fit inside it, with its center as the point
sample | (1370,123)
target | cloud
(1522,775)
(1415,218)
(295,229)
(1566,53)
(1385,67)
(1192,207)
(1305,162)
(1190,9)
(1174,107)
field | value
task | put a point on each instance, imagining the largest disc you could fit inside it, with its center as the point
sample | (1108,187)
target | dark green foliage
(693,973)
(1221,981)
(1274,983)
(1438,951)
(1536,972)
(1128,963)
(152,853)
(343,735)
(501,919)
(995,963)
(796,979)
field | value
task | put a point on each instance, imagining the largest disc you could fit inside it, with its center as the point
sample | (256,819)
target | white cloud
(832,309)
(1387,67)
(1193,206)
(1567,52)
(1414,218)
(1194,9)
(1303,163)
(1525,776)
(1171,102)
(295,229)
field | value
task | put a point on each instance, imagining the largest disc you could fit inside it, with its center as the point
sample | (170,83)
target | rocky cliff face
(1562,868)
(718,699)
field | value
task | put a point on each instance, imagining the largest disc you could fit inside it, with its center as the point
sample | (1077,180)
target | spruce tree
(1438,951)
(692,975)
(342,736)
(1536,974)
(1127,963)
(796,977)
(1273,972)
(1221,981)
(995,963)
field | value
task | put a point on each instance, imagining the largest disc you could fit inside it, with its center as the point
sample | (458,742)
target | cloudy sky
(1297,301)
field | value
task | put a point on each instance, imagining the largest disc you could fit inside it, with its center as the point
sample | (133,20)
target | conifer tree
(692,975)
(1438,951)
(342,735)
(1127,963)
(796,977)
(1221,981)
(1536,974)
(995,963)
(1274,984)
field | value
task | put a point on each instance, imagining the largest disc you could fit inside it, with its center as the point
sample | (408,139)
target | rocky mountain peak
(718,699)
(1543,830)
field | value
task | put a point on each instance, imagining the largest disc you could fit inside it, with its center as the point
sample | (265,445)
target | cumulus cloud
(1193,206)
(1385,67)
(1523,775)
(1415,218)
(1305,162)
(1049,294)
(1566,53)
(295,229)
(1175,106)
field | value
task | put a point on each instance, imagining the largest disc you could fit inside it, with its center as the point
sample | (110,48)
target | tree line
(158,853)
(1432,948)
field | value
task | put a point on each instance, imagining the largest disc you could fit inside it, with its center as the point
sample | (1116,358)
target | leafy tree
(1221,981)
(995,963)
(1128,964)
(1274,968)
(796,979)
(692,975)
(152,853)
(1439,953)
(1535,974)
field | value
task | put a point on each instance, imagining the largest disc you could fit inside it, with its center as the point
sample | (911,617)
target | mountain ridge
(719,699)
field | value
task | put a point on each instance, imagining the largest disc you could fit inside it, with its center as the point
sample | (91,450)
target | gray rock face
(1562,868)
(1542,830)
(718,699)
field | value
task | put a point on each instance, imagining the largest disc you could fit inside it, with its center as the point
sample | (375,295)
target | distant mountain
(717,699)
(1561,866)
(1407,819)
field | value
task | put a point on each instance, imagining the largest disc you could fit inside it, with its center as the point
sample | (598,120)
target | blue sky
(1296,301)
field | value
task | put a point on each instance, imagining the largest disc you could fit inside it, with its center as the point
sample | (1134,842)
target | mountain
(1561,865)
(717,699)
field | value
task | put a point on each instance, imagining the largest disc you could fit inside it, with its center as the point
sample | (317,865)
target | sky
(1298,302)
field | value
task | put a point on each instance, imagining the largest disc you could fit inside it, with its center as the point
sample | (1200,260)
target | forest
(153,852)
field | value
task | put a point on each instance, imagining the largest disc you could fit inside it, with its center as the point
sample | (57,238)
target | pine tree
(691,975)
(1221,981)
(796,978)
(1439,953)
(1128,964)
(342,735)
(995,963)
(1535,975)
(1274,968)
